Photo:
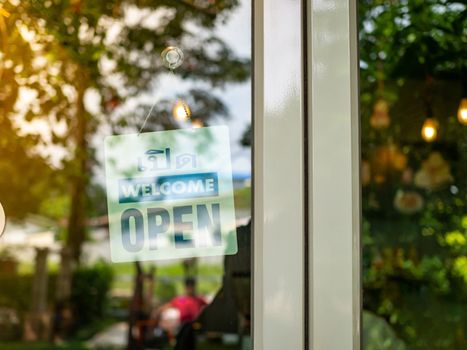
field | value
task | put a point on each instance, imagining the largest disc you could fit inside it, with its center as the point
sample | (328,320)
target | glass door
(126,175)
(414,166)
(394,171)
(153,175)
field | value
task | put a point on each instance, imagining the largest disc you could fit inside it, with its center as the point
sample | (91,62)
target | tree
(413,66)
(59,51)
(21,167)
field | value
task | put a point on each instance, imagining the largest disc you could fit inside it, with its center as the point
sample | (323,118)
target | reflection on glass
(414,174)
(462,113)
(73,73)
(430,130)
(181,111)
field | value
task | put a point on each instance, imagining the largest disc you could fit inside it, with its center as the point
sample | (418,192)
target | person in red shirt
(187,308)
(189,305)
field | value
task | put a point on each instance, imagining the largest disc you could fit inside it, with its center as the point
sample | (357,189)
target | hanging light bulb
(380,118)
(196,123)
(462,112)
(181,112)
(430,130)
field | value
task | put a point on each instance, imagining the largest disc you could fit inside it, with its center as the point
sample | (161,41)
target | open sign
(170,194)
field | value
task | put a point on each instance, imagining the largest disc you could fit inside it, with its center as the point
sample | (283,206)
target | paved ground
(115,337)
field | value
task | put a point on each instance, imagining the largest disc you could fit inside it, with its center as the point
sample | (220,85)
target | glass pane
(413,65)
(125,161)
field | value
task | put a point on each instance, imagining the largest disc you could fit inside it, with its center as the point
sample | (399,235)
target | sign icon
(157,159)
(153,157)
(170,194)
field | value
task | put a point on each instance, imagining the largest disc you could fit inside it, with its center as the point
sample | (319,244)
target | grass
(28,268)
(209,277)
(167,270)
(242,197)
(80,346)
(169,278)
(41,346)
(88,331)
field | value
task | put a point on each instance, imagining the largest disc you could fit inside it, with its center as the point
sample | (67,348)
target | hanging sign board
(2,220)
(170,194)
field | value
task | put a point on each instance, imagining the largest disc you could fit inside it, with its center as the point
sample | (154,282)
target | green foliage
(242,198)
(25,177)
(90,293)
(73,37)
(41,346)
(165,290)
(413,55)
(246,137)
(413,38)
(378,335)
(15,292)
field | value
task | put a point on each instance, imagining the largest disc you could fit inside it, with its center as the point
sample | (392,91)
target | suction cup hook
(172,57)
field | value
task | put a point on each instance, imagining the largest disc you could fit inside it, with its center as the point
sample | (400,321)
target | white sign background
(138,165)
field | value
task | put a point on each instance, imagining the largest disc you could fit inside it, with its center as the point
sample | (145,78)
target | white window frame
(278,171)
(334,191)
(306,275)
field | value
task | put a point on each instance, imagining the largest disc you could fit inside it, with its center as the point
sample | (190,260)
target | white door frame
(278,171)
(334,191)
(306,287)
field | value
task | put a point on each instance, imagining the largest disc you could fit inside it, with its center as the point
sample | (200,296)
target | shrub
(90,292)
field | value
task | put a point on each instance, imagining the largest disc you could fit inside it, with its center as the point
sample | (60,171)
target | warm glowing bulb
(380,118)
(462,112)
(196,123)
(181,111)
(430,130)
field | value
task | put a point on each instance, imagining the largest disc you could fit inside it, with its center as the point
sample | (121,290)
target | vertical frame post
(334,192)
(279,300)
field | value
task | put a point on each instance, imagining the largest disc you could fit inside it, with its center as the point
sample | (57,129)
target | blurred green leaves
(413,55)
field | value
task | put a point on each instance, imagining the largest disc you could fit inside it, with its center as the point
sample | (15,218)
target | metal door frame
(334,191)
(278,152)
(306,153)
